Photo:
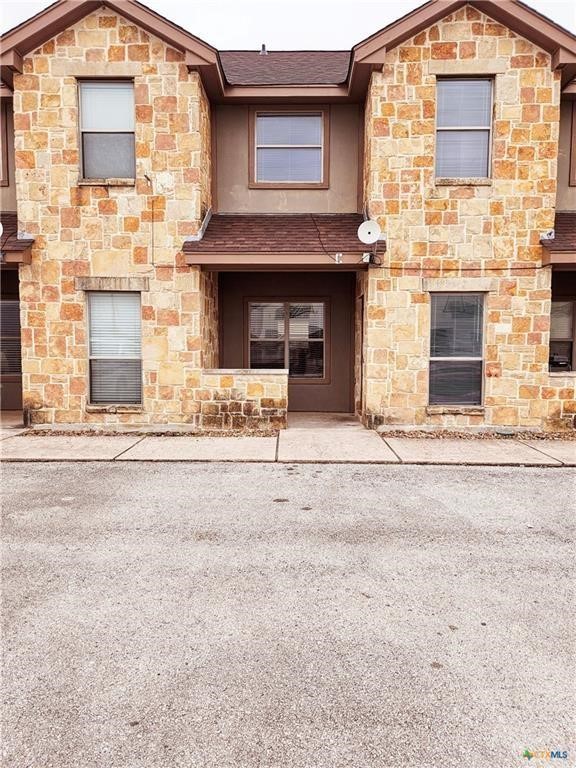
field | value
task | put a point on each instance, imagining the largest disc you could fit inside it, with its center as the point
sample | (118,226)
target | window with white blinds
(563,336)
(289,148)
(115,347)
(288,335)
(456,349)
(10,352)
(107,129)
(463,128)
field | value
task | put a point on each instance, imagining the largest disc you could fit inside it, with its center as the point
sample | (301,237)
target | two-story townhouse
(181,239)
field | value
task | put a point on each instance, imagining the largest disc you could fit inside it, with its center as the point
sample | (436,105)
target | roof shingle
(9,240)
(285,67)
(565,232)
(289,233)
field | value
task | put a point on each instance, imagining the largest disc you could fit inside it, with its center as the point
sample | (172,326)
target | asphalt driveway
(318,616)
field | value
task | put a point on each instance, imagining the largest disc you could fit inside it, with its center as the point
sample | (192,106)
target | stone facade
(456,230)
(86,229)
(451,235)
(244,399)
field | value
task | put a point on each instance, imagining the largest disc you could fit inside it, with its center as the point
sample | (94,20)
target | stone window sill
(473,182)
(245,371)
(455,410)
(114,409)
(106,182)
(562,374)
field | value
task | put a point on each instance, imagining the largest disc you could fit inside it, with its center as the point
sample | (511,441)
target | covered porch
(283,301)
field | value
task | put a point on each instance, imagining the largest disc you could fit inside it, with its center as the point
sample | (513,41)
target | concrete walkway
(329,439)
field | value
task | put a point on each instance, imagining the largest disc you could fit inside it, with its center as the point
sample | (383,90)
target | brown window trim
(326,379)
(4,176)
(324,110)
(572,174)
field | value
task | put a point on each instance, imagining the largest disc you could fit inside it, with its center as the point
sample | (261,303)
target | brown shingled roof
(291,233)
(285,67)
(565,232)
(9,241)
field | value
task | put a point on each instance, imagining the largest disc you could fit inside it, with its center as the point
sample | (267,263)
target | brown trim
(361,143)
(563,258)
(4,165)
(253,112)
(326,379)
(572,172)
(17,257)
(275,259)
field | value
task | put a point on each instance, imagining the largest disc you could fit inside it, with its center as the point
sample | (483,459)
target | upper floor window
(289,149)
(107,129)
(463,128)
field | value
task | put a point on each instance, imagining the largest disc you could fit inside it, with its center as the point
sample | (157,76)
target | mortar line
(129,447)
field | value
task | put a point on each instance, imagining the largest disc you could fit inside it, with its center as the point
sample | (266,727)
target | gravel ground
(278,616)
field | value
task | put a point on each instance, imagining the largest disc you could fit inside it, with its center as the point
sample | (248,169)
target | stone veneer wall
(244,399)
(103,230)
(462,231)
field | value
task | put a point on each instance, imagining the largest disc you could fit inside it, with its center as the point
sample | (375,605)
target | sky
(283,24)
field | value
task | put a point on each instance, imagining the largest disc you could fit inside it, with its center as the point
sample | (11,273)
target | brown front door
(298,321)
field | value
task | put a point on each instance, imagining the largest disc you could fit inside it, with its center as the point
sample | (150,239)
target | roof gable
(288,75)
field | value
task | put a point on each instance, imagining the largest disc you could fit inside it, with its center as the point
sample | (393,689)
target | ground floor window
(563,336)
(10,356)
(115,347)
(287,334)
(456,349)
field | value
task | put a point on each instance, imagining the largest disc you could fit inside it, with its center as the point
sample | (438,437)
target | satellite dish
(369,232)
(1,229)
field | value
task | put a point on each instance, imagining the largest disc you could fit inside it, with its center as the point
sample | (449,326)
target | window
(572,170)
(289,149)
(456,349)
(4,180)
(10,356)
(463,128)
(288,335)
(563,336)
(107,130)
(115,348)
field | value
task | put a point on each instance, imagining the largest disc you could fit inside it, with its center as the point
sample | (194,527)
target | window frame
(572,166)
(325,300)
(81,131)
(461,358)
(571,340)
(90,401)
(489,129)
(254,112)
(4,163)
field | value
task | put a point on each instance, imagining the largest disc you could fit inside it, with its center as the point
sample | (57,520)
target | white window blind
(456,349)
(289,148)
(107,128)
(463,128)
(115,347)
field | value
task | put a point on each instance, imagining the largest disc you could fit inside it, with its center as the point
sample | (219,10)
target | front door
(299,321)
